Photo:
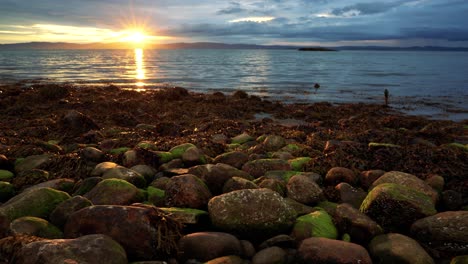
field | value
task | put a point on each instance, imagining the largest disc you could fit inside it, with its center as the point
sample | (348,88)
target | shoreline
(184,156)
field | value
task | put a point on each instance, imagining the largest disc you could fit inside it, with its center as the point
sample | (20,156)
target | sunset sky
(295,22)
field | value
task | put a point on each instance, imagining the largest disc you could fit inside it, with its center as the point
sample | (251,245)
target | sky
(268,22)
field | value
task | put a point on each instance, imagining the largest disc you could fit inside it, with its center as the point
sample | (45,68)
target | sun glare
(136,37)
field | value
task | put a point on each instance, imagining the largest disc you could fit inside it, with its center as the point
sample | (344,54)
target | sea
(433,84)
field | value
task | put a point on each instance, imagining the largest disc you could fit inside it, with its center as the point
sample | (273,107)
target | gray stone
(397,248)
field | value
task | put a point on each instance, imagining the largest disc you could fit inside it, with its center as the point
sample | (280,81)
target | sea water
(431,83)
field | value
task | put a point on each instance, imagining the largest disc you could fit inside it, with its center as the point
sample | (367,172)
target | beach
(183,161)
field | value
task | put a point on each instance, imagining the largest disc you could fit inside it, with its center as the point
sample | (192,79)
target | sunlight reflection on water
(139,68)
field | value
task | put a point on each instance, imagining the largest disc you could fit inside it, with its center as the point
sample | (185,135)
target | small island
(316,49)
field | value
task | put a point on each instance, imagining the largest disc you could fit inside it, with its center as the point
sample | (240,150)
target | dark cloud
(234,8)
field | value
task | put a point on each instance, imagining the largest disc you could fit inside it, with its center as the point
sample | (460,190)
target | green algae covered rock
(179,150)
(113,191)
(156,196)
(395,207)
(252,212)
(32,162)
(37,202)
(298,164)
(35,226)
(6,175)
(241,139)
(315,224)
(126,174)
(7,190)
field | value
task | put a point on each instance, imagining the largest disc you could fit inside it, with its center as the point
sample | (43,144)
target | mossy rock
(118,151)
(6,175)
(242,138)
(114,192)
(395,207)
(36,202)
(164,156)
(382,145)
(7,190)
(315,224)
(298,164)
(179,150)
(292,148)
(32,162)
(187,215)
(156,196)
(280,175)
(346,237)
(35,226)
(458,146)
(147,145)
(126,174)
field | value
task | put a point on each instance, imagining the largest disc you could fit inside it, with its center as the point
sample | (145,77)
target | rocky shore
(107,175)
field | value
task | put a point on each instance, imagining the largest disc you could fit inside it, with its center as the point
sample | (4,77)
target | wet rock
(409,181)
(63,184)
(103,167)
(215,176)
(34,226)
(397,248)
(349,194)
(248,249)
(359,226)
(369,177)
(315,224)
(125,174)
(304,190)
(324,250)
(301,209)
(66,208)
(273,143)
(156,196)
(274,185)
(145,224)
(437,182)
(259,167)
(146,171)
(113,191)
(86,185)
(7,190)
(281,175)
(253,212)
(92,249)
(282,241)
(298,164)
(38,202)
(77,123)
(235,159)
(237,183)
(33,162)
(282,155)
(205,246)
(227,260)
(396,207)
(160,183)
(338,174)
(187,191)
(92,154)
(193,156)
(270,255)
(446,234)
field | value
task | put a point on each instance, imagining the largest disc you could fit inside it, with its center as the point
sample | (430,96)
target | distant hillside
(316,49)
(416,48)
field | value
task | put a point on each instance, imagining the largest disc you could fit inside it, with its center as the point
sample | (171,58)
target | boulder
(315,224)
(28,178)
(113,191)
(273,143)
(409,181)
(274,185)
(270,255)
(62,184)
(77,123)
(397,248)
(205,246)
(396,207)
(144,231)
(91,249)
(251,212)
(304,190)
(179,150)
(193,156)
(125,174)
(92,154)
(446,234)
(215,176)
(235,159)
(63,210)
(156,196)
(187,216)
(325,250)
(349,194)
(338,174)
(6,175)
(359,226)
(227,260)
(7,190)
(38,202)
(187,191)
(33,162)
(146,171)
(259,167)
(298,164)
(34,226)
(102,167)
(242,138)
(86,185)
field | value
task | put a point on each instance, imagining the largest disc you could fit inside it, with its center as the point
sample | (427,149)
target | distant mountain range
(204,45)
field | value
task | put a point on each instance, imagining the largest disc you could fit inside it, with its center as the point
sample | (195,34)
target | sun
(134,36)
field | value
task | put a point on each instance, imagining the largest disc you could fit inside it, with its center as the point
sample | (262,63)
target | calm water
(417,81)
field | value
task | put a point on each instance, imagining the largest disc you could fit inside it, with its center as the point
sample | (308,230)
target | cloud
(370,8)
(234,8)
